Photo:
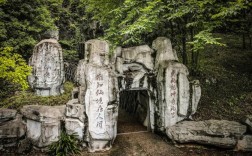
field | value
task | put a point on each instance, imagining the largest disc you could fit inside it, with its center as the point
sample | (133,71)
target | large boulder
(177,97)
(164,50)
(248,122)
(12,131)
(220,133)
(43,123)
(75,126)
(47,68)
(174,93)
(74,122)
(51,34)
(139,54)
(75,110)
(7,114)
(42,113)
(196,94)
(98,94)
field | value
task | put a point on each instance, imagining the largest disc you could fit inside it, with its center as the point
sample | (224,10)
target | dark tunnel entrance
(133,113)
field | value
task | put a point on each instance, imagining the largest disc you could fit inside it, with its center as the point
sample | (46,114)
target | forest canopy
(189,24)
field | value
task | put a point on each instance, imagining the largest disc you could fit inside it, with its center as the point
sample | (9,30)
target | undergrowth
(29,98)
(226,81)
(66,145)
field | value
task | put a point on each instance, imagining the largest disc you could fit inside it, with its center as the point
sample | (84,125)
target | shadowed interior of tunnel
(133,111)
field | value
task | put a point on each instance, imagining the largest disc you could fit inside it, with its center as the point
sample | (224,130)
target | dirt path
(134,140)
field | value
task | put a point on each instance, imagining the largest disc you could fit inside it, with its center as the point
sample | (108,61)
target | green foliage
(202,39)
(13,68)
(27,98)
(226,80)
(133,22)
(74,25)
(67,144)
(22,23)
(2,1)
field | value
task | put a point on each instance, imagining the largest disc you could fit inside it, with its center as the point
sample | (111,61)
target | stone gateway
(164,94)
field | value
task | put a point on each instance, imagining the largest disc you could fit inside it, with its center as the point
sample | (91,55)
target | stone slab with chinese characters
(101,120)
(47,68)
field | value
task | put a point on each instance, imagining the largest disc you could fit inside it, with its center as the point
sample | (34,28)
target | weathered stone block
(245,144)
(173,85)
(75,110)
(196,94)
(97,93)
(74,126)
(42,113)
(51,34)
(44,133)
(219,133)
(248,121)
(7,114)
(164,50)
(12,131)
(97,52)
(47,68)
(43,123)
(139,54)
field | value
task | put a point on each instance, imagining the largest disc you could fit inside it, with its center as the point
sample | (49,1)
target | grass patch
(29,98)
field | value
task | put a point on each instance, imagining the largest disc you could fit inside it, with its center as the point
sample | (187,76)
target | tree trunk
(192,52)
(243,41)
(184,54)
(172,31)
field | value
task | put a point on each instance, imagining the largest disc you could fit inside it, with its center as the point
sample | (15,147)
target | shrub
(67,144)
(29,98)
(13,72)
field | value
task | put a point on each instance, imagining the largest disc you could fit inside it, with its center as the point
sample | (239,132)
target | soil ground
(133,139)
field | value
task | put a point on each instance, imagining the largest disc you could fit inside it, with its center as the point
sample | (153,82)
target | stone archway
(134,111)
(158,88)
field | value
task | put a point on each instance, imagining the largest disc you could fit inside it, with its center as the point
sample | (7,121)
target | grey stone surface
(97,52)
(139,54)
(196,94)
(75,110)
(12,131)
(166,87)
(248,121)
(245,144)
(74,126)
(47,68)
(41,113)
(173,87)
(164,50)
(219,133)
(51,34)
(98,94)
(42,134)
(7,114)
(43,123)
(183,94)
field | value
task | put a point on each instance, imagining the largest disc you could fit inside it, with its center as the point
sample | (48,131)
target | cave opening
(134,111)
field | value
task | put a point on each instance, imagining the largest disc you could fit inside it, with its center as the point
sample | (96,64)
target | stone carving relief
(47,68)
